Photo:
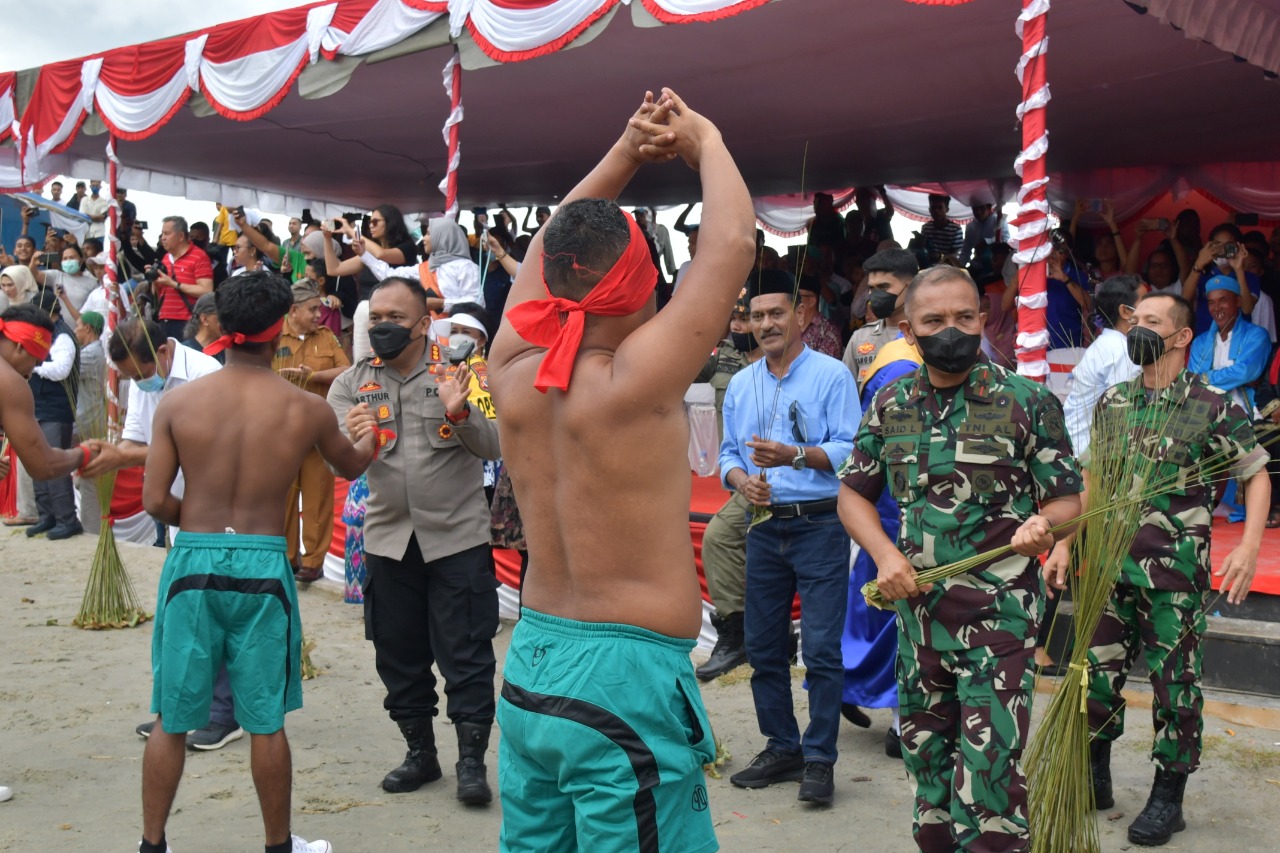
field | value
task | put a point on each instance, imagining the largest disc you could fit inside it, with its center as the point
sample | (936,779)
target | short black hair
(1184,316)
(1227,228)
(414,287)
(25,312)
(581,243)
(318,267)
(898,263)
(92,242)
(199,226)
(939,274)
(251,303)
(471,309)
(75,248)
(543,209)
(27,237)
(1114,292)
(1257,238)
(136,338)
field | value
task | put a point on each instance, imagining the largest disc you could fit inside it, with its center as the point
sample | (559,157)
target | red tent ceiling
(882,92)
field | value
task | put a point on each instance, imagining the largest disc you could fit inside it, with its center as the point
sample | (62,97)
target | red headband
(623,290)
(35,340)
(237,338)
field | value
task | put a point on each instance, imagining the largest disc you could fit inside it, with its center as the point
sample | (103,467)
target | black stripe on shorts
(643,762)
(248,586)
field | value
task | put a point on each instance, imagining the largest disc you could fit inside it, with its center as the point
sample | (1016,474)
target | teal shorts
(226,598)
(603,741)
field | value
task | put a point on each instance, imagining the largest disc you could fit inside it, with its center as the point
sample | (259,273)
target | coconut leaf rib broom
(110,600)
(1061,804)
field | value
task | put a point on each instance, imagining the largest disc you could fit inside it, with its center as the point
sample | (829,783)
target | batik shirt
(967,466)
(1194,434)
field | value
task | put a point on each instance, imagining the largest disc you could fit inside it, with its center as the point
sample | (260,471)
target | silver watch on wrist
(799,462)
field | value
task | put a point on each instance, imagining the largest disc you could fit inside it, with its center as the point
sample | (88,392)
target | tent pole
(112,279)
(453,88)
(1031,225)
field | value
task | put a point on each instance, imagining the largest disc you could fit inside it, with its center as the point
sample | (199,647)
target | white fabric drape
(789,215)
(388,22)
(513,30)
(134,114)
(245,84)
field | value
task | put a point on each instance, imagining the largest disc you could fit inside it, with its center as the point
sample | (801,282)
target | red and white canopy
(881,92)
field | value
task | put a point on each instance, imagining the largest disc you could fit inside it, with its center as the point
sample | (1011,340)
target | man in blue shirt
(788,420)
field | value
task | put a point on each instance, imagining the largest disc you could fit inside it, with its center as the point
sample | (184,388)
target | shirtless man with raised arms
(227,589)
(603,730)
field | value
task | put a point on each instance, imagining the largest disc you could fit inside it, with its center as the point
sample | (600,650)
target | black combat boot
(1100,769)
(420,764)
(730,651)
(473,740)
(1162,816)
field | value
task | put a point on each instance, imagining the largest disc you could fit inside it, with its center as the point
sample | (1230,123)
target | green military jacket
(1193,433)
(967,466)
(719,369)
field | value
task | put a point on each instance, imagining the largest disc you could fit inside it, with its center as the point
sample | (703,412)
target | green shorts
(603,740)
(226,598)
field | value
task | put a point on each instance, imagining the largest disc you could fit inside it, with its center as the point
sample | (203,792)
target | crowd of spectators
(847,276)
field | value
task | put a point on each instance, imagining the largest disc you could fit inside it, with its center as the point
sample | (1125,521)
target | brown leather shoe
(305,575)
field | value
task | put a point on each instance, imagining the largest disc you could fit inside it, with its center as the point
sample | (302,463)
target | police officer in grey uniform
(431,593)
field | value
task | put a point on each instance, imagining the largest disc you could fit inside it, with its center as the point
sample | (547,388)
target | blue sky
(34,36)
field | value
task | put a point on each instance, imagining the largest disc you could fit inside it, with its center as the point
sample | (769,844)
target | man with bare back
(227,590)
(26,335)
(603,730)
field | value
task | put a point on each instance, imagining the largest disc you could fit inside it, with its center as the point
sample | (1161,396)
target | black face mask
(882,303)
(1145,346)
(950,351)
(743,341)
(390,339)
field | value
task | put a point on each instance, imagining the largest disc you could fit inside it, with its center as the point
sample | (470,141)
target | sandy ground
(72,698)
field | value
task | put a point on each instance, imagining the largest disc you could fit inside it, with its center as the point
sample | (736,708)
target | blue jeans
(809,554)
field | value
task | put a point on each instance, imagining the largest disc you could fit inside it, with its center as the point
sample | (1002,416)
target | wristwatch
(799,462)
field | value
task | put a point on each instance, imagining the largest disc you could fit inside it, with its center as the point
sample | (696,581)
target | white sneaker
(301,845)
(6,794)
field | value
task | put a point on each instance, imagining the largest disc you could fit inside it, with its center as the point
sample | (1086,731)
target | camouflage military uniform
(967,466)
(1158,604)
(724,543)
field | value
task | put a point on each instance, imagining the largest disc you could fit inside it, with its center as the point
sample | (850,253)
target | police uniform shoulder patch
(369,386)
(435,352)
(863,349)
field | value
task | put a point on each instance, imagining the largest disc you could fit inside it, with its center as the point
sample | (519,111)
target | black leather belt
(803,508)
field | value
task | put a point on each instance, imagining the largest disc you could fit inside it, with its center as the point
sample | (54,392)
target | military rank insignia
(445,432)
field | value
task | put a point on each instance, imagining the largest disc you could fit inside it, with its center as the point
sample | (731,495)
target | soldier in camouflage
(724,543)
(977,458)
(1195,433)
